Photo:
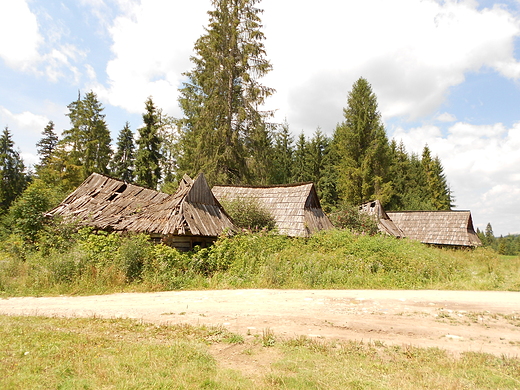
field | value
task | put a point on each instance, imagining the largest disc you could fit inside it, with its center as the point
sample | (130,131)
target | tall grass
(94,263)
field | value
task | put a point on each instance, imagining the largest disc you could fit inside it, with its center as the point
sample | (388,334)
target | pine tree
(400,174)
(439,194)
(317,149)
(12,171)
(87,143)
(282,155)
(301,169)
(362,148)
(148,158)
(168,134)
(46,146)
(222,96)
(123,160)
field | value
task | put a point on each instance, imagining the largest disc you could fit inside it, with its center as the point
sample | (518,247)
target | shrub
(349,217)
(247,213)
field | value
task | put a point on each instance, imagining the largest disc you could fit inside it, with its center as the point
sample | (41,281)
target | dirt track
(454,320)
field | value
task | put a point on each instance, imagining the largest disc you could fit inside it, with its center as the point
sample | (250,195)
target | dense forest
(224,133)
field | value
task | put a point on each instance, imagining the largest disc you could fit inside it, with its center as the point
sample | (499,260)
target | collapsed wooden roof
(295,208)
(437,227)
(192,210)
(110,204)
(103,202)
(384,223)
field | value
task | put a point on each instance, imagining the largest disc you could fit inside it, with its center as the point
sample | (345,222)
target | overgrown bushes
(99,262)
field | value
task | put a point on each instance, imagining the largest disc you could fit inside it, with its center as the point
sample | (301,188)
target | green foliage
(13,179)
(507,246)
(222,126)
(26,215)
(147,161)
(47,144)
(362,149)
(247,213)
(122,164)
(86,145)
(100,262)
(349,217)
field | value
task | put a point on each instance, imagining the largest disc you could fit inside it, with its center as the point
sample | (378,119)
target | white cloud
(412,52)
(481,164)
(20,36)
(153,42)
(446,117)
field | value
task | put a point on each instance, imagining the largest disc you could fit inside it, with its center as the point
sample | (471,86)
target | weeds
(98,262)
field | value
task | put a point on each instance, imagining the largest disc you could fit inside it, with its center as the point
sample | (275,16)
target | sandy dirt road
(457,321)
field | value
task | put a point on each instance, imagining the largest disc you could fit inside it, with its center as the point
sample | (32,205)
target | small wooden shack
(295,208)
(444,228)
(192,216)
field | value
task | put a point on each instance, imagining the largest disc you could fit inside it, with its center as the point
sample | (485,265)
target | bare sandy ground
(457,321)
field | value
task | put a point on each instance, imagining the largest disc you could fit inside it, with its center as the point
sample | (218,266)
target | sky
(446,74)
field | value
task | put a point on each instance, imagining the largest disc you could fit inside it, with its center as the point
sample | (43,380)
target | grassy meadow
(43,353)
(56,353)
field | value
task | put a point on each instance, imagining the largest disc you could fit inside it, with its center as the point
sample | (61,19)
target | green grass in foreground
(44,353)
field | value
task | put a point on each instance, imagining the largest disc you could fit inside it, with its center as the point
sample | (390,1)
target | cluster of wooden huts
(453,228)
(193,215)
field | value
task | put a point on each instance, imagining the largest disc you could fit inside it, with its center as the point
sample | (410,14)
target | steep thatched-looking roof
(103,202)
(384,223)
(295,208)
(192,210)
(111,204)
(453,228)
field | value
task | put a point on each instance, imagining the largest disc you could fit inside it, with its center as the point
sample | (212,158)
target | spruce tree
(222,98)
(282,155)
(12,171)
(87,144)
(362,149)
(301,168)
(439,194)
(400,173)
(46,146)
(123,160)
(148,157)
(317,149)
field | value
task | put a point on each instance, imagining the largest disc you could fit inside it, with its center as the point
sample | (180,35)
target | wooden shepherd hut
(445,228)
(192,216)
(295,208)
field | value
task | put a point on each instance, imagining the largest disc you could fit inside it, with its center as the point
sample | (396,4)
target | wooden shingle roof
(110,204)
(103,202)
(295,208)
(192,210)
(437,227)
(384,223)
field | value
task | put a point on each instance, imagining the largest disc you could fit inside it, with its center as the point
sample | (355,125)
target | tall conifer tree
(124,159)
(12,171)
(47,144)
(87,144)
(222,98)
(282,155)
(148,158)
(439,194)
(362,149)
